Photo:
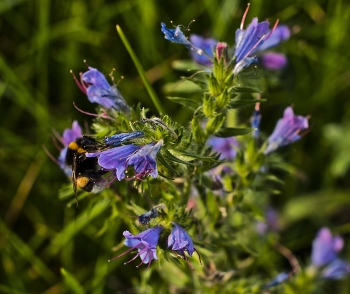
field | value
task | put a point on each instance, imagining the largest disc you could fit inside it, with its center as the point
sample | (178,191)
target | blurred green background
(42,40)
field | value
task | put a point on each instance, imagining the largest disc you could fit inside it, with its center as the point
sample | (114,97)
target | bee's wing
(74,177)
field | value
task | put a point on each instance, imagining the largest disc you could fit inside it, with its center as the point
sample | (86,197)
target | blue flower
(287,130)
(118,139)
(336,270)
(145,243)
(177,36)
(142,158)
(325,247)
(279,34)
(69,135)
(225,146)
(279,279)
(94,84)
(180,242)
(249,41)
(208,45)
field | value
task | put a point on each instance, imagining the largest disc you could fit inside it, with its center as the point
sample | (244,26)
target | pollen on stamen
(111,74)
(188,27)
(85,61)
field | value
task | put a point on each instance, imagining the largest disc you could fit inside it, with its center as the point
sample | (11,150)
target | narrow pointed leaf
(71,282)
(187,102)
(141,72)
(237,103)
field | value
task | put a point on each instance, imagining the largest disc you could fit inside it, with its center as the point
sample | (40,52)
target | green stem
(141,71)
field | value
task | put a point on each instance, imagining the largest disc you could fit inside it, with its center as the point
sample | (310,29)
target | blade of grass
(74,227)
(141,72)
(27,253)
(71,282)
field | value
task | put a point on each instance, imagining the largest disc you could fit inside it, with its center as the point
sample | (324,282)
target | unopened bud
(215,123)
(223,100)
(198,133)
(214,87)
(208,105)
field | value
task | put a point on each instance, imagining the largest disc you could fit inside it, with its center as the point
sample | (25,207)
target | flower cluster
(250,42)
(141,158)
(146,243)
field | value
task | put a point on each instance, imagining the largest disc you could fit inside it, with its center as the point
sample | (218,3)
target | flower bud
(223,100)
(215,123)
(214,87)
(198,133)
(208,105)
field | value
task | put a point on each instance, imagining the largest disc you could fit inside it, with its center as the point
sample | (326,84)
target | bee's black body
(85,170)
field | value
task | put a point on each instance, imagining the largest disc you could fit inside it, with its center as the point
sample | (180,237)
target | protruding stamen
(244,16)
(272,30)
(188,27)
(126,252)
(50,155)
(80,85)
(111,74)
(86,63)
(103,115)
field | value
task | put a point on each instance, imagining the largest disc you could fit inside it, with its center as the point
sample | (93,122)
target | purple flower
(249,41)
(325,247)
(337,269)
(271,223)
(273,61)
(145,243)
(142,158)
(225,146)
(179,242)
(177,36)
(207,45)
(94,84)
(69,135)
(287,130)
(281,33)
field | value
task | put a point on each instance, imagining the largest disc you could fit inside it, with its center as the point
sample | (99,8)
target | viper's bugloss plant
(215,174)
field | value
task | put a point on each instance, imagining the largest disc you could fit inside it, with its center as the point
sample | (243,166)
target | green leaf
(27,253)
(184,65)
(187,102)
(245,89)
(237,103)
(71,282)
(231,132)
(197,156)
(166,164)
(141,72)
(174,158)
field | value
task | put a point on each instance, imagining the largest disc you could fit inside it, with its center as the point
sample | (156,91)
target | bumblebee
(86,173)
